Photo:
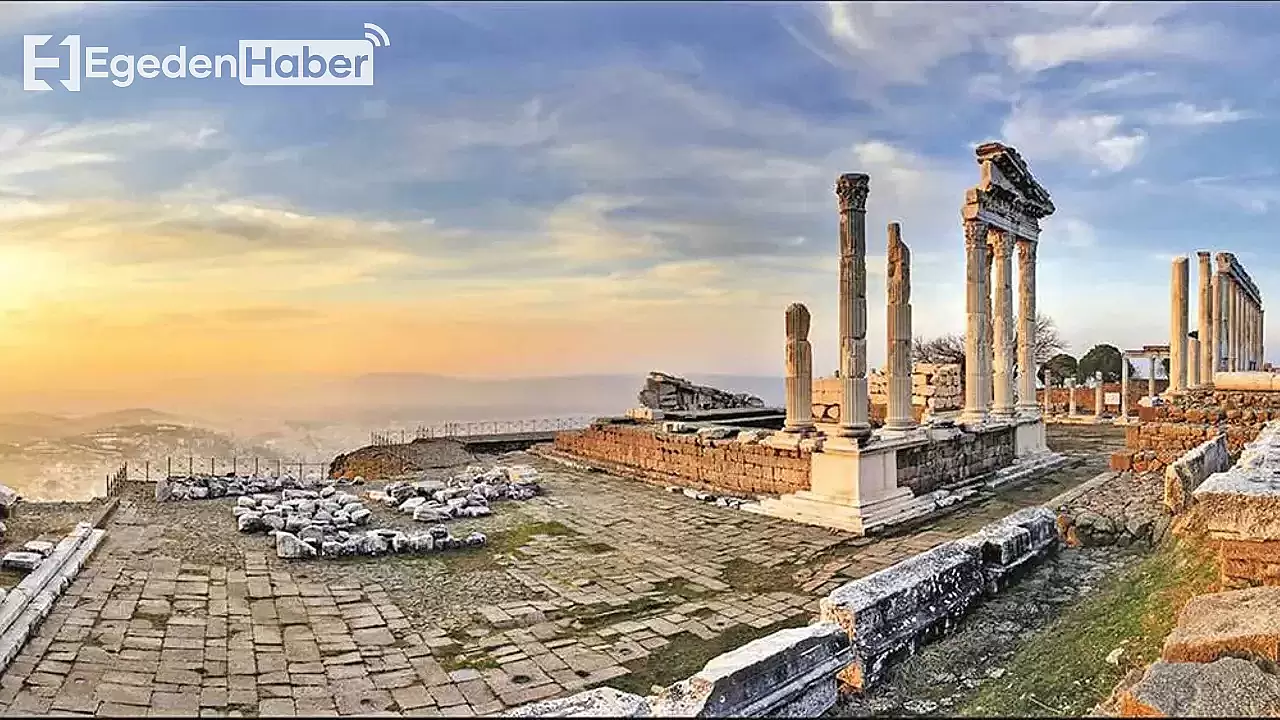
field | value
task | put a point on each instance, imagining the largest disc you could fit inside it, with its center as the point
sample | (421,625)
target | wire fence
(478,429)
(147,470)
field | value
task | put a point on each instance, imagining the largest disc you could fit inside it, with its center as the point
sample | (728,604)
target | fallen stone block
(1238,623)
(1185,474)
(1229,687)
(40,547)
(19,560)
(597,702)
(1012,542)
(790,673)
(891,611)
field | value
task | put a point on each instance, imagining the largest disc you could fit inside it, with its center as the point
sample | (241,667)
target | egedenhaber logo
(258,62)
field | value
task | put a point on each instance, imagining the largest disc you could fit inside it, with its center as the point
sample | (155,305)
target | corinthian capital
(1026,250)
(975,234)
(852,190)
(1001,242)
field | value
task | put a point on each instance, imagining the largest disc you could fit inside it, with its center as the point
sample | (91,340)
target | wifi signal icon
(376,35)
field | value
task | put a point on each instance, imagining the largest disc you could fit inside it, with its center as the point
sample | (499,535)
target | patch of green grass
(686,654)
(460,661)
(746,576)
(500,542)
(1063,669)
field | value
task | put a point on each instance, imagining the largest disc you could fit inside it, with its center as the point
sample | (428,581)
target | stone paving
(638,585)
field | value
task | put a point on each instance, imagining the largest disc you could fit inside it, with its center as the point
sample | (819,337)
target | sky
(562,188)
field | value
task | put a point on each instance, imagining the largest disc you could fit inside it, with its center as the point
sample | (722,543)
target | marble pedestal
(856,489)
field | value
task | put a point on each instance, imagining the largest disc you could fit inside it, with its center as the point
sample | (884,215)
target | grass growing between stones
(500,542)
(686,654)
(1063,669)
(746,576)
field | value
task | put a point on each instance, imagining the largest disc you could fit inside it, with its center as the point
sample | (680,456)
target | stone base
(856,489)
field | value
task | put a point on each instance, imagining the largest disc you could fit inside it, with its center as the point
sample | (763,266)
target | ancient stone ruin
(675,394)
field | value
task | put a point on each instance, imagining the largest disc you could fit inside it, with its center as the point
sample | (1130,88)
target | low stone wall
(725,465)
(27,605)
(1166,432)
(1240,510)
(863,625)
(965,456)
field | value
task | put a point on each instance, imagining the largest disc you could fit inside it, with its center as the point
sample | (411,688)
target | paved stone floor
(601,580)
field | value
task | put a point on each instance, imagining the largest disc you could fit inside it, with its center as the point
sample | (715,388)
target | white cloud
(1104,141)
(1189,115)
(1044,51)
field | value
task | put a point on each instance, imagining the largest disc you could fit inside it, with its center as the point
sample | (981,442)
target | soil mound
(382,462)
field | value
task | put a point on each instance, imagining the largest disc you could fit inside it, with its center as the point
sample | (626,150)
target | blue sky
(556,188)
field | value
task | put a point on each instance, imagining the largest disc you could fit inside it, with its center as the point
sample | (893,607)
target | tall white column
(1178,327)
(1262,336)
(975,245)
(1027,325)
(1002,245)
(799,381)
(1098,407)
(1204,309)
(1216,336)
(1151,379)
(1124,387)
(852,190)
(1228,329)
(1048,388)
(899,415)
(1071,397)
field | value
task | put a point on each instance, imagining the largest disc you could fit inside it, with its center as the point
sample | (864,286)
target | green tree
(1061,367)
(1106,358)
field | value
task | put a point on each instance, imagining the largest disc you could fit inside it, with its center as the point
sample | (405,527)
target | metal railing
(147,471)
(115,480)
(481,428)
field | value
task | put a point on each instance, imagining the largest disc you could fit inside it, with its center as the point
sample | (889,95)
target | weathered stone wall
(941,464)
(730,466)
(1166,432)
(935,389)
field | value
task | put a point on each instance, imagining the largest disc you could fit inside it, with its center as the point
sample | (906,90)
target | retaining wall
(1240,509)
(730,466)
(863,625)
(944,463)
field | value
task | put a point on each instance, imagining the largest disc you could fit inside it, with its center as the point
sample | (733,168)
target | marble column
(851,191)
(799,382)
(1215,332)
(1151,379)
(1178,327)
(1224,338)
(1193,362)
(988,342)
(1233,324)
(899,415)
(1099,407)
(1204,311)
(1071,397)
(1001,244)
(1124,387)
(1027,325)
(975,335)
(1262,335)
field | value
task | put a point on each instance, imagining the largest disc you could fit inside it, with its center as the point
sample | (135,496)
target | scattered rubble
(727,501)
(29,557)
(202,487)
(467,494)
(325,523)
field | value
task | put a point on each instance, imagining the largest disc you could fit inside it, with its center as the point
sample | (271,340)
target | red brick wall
(1061,398)
(717,465)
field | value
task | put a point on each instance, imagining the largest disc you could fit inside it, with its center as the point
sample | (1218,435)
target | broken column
(1098,407)
(899,415)
(1071,398)
(851,191)
(1002,248)
(1027,324)
(799,382)
(975,243)
(1178,327)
